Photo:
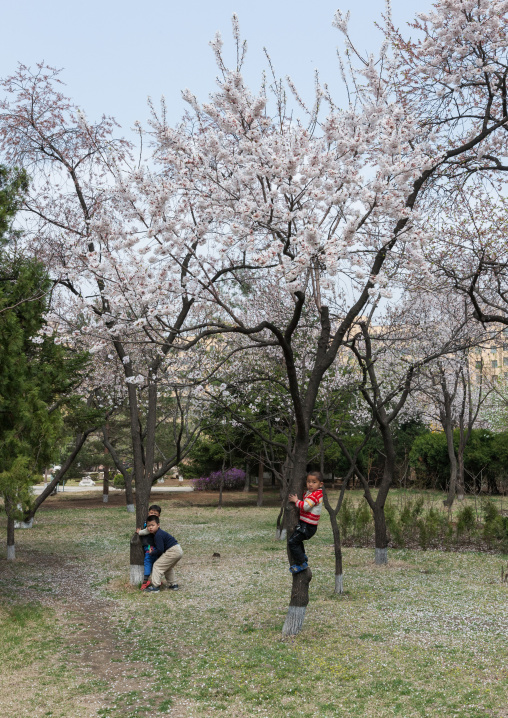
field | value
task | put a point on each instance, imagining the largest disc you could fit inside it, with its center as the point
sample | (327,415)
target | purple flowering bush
(234,480)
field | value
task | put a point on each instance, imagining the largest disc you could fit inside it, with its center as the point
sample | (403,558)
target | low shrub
(346,518)
(466,521)
(495,527)
(411,525)
(234,480)
(363,520)
(355,523)
(403,524)
(118,481)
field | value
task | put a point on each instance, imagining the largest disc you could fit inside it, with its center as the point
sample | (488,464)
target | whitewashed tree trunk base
(137,574)
(11,553)
(294,621)
(280,535)
(460,497)
(339,583)
(131,508)
(105,498)
(24,524)
(381,556)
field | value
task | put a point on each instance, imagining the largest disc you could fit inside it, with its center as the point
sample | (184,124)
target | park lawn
(424,636)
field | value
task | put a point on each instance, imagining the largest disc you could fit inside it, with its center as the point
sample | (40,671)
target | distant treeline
(421,458)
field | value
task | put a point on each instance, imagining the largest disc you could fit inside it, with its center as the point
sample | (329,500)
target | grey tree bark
(105,485)
(246,486)
(298,603)
(261,468)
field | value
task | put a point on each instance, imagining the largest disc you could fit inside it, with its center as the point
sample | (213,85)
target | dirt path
(86,620)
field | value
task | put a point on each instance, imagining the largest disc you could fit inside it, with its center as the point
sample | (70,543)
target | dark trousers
(303,532)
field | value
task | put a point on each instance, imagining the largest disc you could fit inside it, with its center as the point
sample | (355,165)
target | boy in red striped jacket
(310,511)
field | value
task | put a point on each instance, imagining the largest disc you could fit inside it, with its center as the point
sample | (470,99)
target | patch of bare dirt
(86,619)
(194,498)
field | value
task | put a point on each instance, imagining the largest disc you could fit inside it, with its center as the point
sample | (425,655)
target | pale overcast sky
(117,52)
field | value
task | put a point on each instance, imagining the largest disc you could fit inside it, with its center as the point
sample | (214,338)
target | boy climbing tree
(310,512)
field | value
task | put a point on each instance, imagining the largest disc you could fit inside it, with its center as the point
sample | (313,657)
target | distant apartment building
(491,359)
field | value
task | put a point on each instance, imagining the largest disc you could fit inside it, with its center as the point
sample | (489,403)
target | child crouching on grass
(148,546)
(167,552)
(310,511)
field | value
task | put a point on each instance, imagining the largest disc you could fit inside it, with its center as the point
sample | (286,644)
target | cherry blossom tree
(339,414)
(251,391)
(458,400)
(330,208)
(454,390)
(241,198)
(413,340)
(88,219)
(471,252)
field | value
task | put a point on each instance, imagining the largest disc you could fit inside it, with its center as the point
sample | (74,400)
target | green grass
(424,636)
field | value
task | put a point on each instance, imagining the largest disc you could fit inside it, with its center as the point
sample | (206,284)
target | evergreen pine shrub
(495,527)
(118,481)
(392,517)
(346,518)
(466,521)
(423,534)
(363,518)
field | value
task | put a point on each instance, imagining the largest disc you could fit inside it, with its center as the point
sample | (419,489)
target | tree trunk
(280,531)
(105,485)
(149,442)
(381,535)
(48,490)
(246,486)
(129,494)
(337,548)
(136,560)
(463,439)
(460,474)
(378,506)
(142,494)
(120,466)
(221,484)
(261,469)
(143,491)
(453,464)
(298,603)
(144,460)
(300,588)
(11,550)
(445,415)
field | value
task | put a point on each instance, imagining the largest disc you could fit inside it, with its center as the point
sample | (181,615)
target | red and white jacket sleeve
(310,507)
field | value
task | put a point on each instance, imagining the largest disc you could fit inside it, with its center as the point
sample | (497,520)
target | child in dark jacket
(167,553)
